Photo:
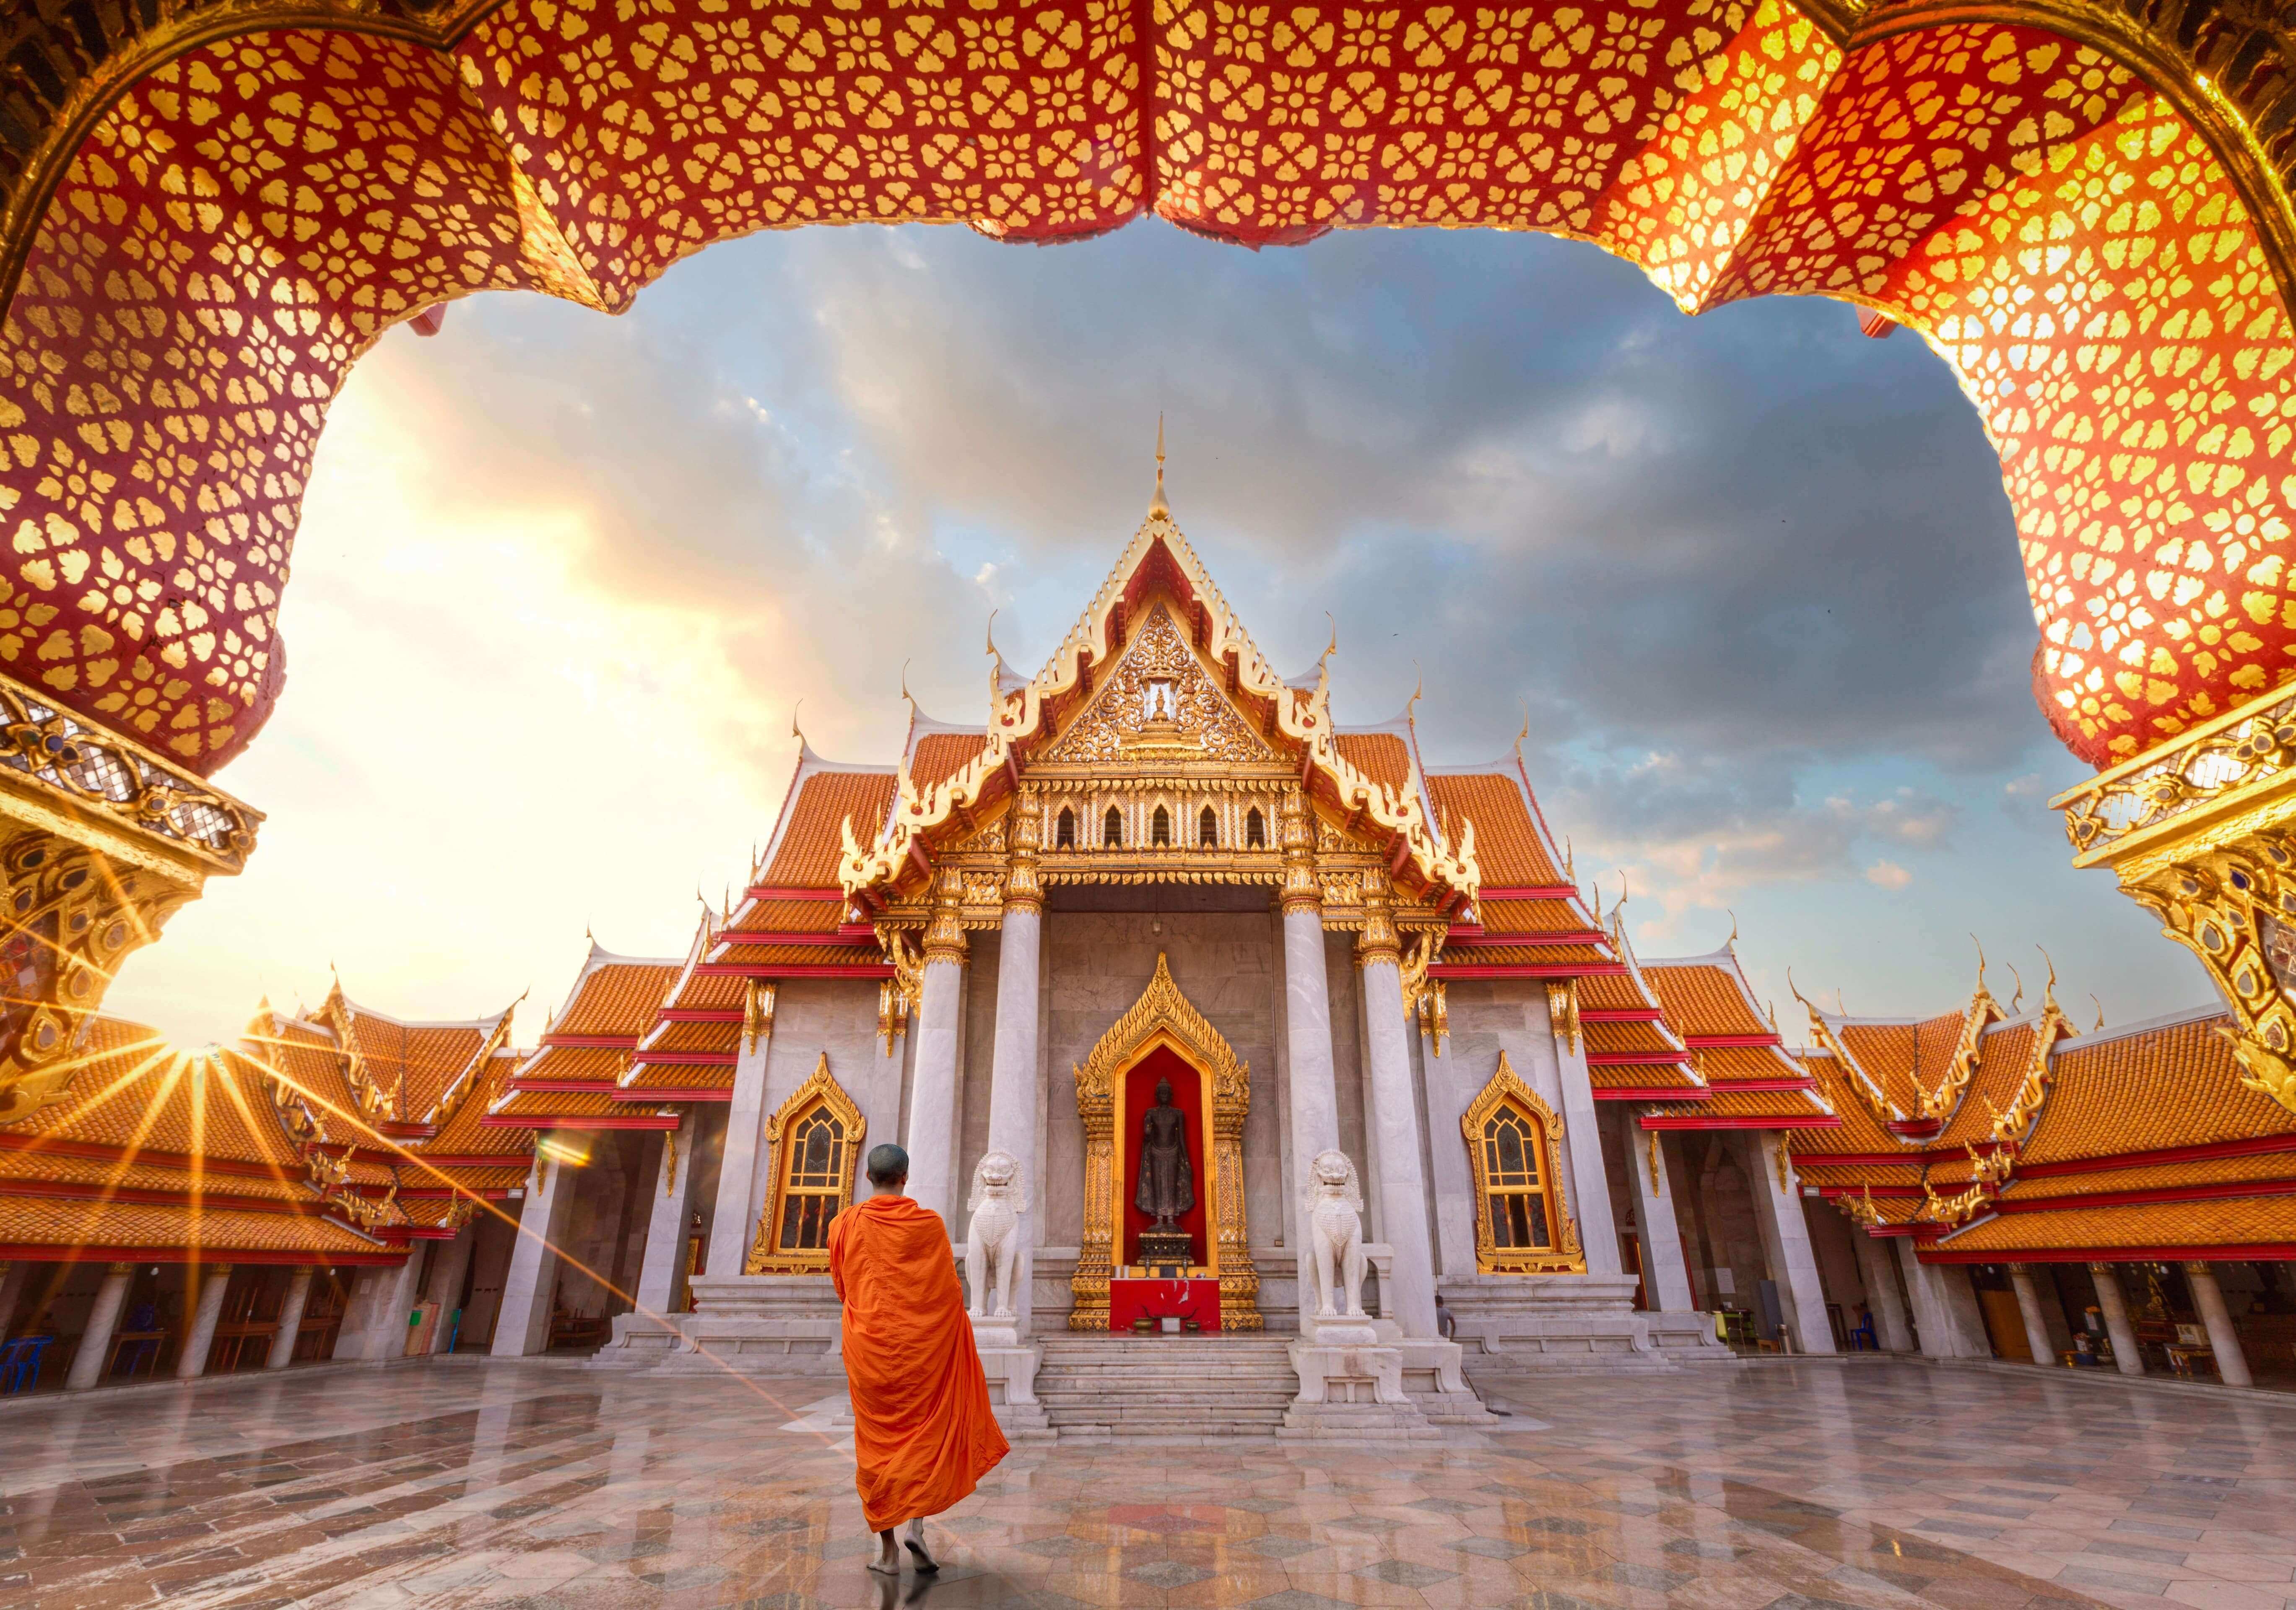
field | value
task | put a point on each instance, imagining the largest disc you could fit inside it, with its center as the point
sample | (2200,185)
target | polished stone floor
(1778,1486)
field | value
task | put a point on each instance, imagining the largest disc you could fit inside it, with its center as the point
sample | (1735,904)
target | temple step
(1189,1388)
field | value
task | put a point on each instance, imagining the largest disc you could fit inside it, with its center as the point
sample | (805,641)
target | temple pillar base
(778,1325)
(641,1341)
(1012,1372)
(1571,1323)
(1351,1391)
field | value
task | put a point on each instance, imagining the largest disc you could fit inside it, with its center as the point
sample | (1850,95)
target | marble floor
(1784,1486)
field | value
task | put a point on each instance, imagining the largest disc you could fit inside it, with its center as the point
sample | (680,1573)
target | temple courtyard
(1790,1486)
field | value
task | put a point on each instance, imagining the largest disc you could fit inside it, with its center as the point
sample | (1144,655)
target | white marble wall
(839,1016)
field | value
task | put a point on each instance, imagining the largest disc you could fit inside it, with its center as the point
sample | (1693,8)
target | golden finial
(1157,509)
(1333,647)
(1980,959)
(2100,1010)
(796,731)
(2049,989)
(1410,703)
(1841,1008)
(905,693)
(2017,1000)
(1731,943)
(1570,867)
(1773,1016)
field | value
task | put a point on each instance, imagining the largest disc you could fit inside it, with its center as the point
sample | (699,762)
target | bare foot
(888,1562)
(926,1564)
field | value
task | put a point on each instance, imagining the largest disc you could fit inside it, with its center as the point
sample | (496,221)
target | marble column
(192,1361)
(374,1321)
(2224,1340)
(532,1280)
(291,1318)
(1590,1181)
(1881,1293)
(1786,1239)
(1314,1091)
(1945,1307)
(2028,1309)
(1013,1069)
(1666,1282)
(733,1224)
(449,1264)
(102,1321)
(931,1138)
(1395,1118)
(2127,1357)
(661,1274)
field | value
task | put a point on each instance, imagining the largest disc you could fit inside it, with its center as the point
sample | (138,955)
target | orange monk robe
(923,1432)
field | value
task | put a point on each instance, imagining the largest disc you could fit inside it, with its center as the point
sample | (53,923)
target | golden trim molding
(821,1086)
(1567,1257)
(1163,1017)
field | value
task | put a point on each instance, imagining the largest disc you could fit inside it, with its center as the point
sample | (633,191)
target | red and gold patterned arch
(212,207)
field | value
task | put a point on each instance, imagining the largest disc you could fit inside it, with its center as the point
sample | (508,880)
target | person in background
(923,1432)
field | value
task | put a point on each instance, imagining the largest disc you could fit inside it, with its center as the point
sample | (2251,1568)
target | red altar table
(1130,1300)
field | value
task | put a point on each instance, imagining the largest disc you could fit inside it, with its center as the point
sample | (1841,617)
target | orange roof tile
(1611,992)
(2158,1175)
(811,837)
(679,1076)
(50,1167)
(165,1229)
(465,1135)
(711,992)
(1532,917)
(1722,1063)
(616,995)
(1642,1076)
(1507,845)
(2005,1059)
(765,957)
(940,756)
(2172,1084)
(135,1091)
(1703,997)
(1861,1132)
(1790,1107)
(411,1064)
(1380,756)
(2234,1222)
(1518,956)
(693,1037)
(1621,1038)
(788,916)
(587,1062)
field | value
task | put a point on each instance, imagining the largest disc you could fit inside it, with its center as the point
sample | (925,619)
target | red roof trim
(678,1093)
(597,1086)
(1654,1093)
(2210,1190)
(1709,1120)
(1831,1191)
(1751,1085)
(34,1253)
(545,1121)
(701,1014)
(1868,1160)
(78,1190)
(777,969)
(2247,1145)
(684,1059)
(1528,892)
(1449,970)
(1724,1042)
(1630,1059)
(2262,1251)
(483,1160)
(1536,936)
(592,1043)
(98,1152)
(1621,1015)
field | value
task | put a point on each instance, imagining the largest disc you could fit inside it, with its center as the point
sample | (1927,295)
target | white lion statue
(991,1250)
(1333,1213)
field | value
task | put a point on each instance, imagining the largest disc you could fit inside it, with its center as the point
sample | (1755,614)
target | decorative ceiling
(214,206)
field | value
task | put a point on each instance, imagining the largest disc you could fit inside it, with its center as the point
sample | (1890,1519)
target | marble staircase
(1168,1388)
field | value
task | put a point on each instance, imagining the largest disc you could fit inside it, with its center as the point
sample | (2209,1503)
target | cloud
(1887,875)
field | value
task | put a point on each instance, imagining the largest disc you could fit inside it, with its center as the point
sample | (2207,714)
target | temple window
(816,1139)
(1208,828)
(1160,829)
(1064,832)
(1254,830)
(1513,1140)
(1112,828)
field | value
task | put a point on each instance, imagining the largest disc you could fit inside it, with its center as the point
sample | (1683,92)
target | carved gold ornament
(1562,1011)
(1164,1018)
(757,1012)
(1507,1093)
(813,1173)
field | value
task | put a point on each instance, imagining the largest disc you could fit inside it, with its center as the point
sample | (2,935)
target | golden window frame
(820,1090)
(1565,1256)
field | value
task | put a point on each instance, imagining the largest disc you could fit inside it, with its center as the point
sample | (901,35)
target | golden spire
(1157,509)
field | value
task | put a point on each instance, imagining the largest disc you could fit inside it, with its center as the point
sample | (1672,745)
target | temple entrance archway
(1163,1037)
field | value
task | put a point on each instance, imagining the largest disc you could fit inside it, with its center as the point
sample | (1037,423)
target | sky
(564,582)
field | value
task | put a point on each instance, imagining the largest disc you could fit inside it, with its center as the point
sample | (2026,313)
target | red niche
(1197,1300)
(1139,1096)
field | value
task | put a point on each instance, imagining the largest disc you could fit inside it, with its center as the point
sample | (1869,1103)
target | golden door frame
(1565,1256)
(1162,1018)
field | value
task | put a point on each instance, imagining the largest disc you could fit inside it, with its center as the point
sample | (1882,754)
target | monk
(923,1432)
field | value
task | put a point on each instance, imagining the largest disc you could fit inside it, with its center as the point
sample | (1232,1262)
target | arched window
(1112,828)
(1254,830)
(816,1140)
(1513,1140)
(1160,828)
(1208,828)
(1064,832)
